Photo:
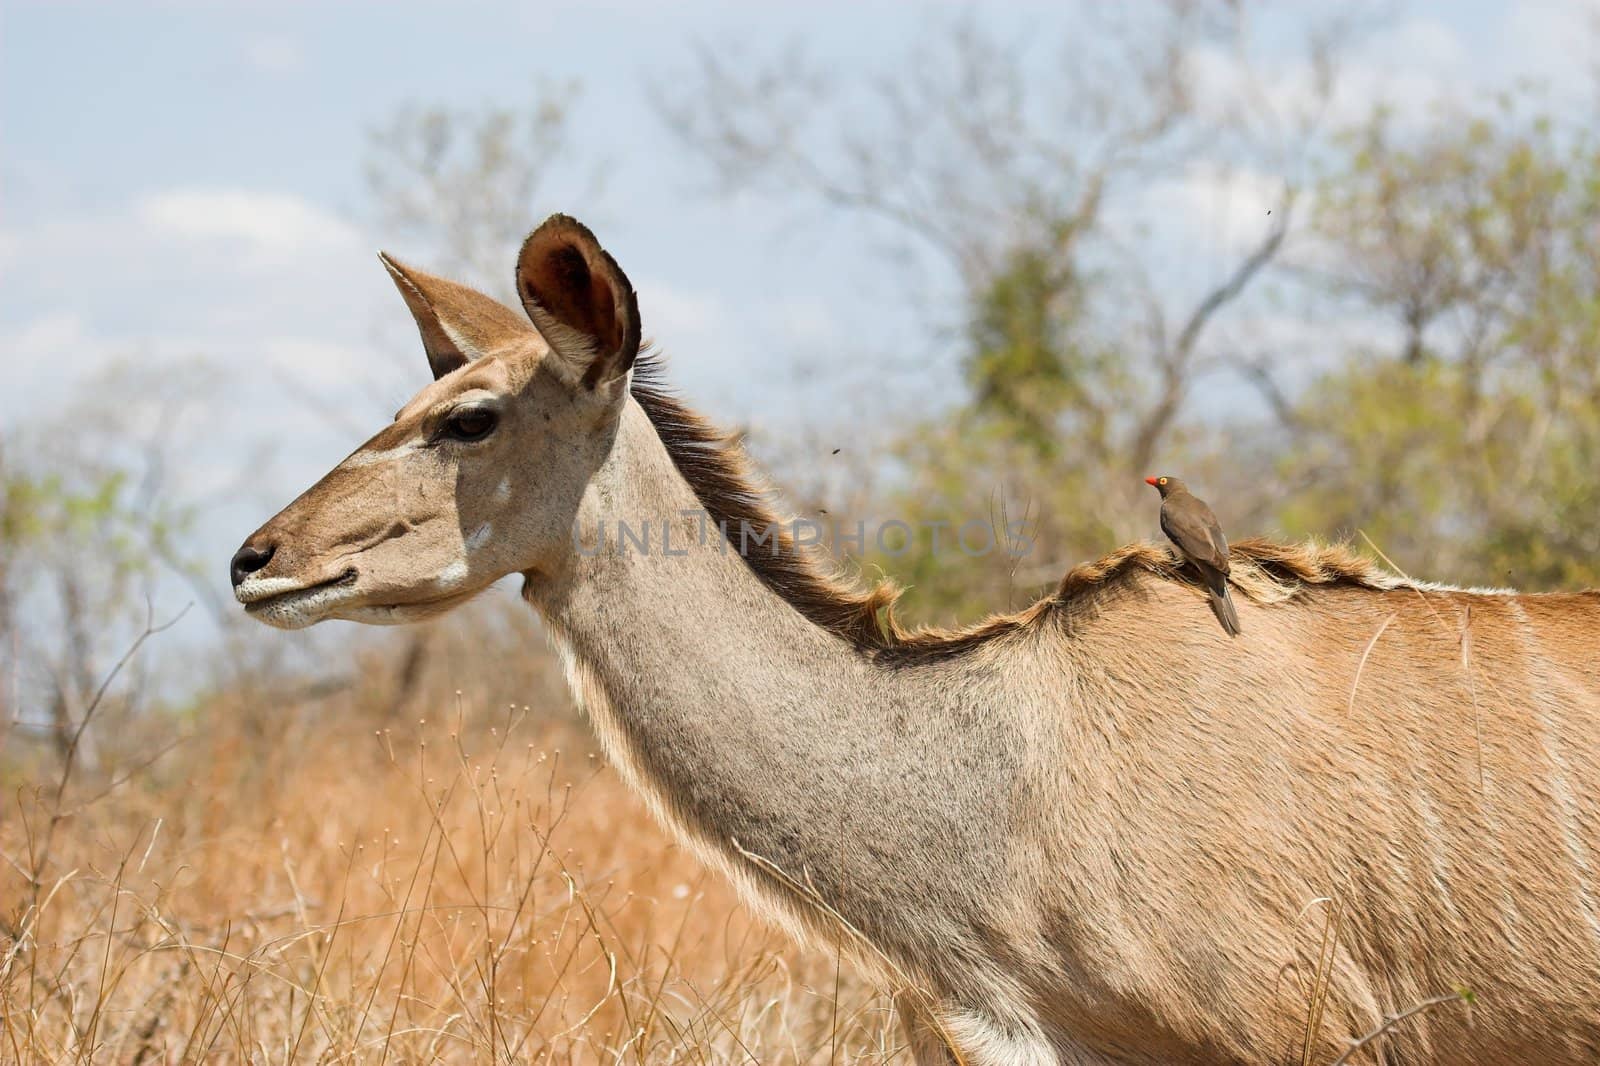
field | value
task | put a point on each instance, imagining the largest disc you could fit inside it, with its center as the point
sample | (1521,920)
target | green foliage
(36,508)
(1455,420)
(88,513)
(83,529)
(1027,182)
(1469,448)
(1030,366)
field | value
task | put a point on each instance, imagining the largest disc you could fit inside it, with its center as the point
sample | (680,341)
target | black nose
(247,560)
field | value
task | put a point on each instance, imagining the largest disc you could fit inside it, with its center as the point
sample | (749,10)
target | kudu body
(1093,832)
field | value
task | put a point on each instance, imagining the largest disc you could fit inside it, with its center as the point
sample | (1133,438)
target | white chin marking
(296,611)
(259,588)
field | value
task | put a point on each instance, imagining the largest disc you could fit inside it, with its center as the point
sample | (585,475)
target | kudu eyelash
(442,433)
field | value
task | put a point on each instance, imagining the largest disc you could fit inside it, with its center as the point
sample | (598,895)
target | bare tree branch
(1176,362)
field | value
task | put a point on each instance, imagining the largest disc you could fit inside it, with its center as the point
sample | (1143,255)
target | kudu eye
(471,423)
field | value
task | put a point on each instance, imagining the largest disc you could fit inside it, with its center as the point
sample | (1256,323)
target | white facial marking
(479,537)
(296,611)
(453,575)
(502,491)
(361,459)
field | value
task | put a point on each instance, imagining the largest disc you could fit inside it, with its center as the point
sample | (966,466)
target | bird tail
(1222,604)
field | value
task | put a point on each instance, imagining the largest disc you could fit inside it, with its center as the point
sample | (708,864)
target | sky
(185,181)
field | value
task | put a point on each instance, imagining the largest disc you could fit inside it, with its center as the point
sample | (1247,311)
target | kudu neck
(674,629)
(648,558)
(731,713)
(781,752)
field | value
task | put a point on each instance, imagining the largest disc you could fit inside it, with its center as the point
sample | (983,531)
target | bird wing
(1194,529)
(1219,544)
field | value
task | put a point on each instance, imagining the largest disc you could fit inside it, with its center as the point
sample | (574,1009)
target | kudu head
(482,473)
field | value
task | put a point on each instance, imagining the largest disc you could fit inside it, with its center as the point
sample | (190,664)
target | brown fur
(1091,832)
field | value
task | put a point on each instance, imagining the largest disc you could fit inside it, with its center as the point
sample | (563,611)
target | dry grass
(317,884)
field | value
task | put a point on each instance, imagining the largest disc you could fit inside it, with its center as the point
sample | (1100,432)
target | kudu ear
(457,324)
(579,300)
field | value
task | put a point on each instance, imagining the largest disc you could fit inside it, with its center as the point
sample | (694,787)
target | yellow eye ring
(1163,481)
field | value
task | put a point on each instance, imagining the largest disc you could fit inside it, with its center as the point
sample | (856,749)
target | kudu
(1097,831)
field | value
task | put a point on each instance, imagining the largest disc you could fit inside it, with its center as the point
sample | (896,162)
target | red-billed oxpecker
(1189,523)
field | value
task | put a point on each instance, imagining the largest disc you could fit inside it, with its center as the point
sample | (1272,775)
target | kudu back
(1096,831)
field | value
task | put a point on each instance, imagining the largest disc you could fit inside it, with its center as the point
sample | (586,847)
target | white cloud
(1216,207)
(695,331)
(1423,44)
(316,363)
(45,357)
(46,337)
(10,249)
(265,221)
(269,283)
(1532,33)
(272,54)
(670,310)
(1408,67)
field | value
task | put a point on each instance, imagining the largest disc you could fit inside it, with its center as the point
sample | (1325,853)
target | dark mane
(1272,570)
(716,467)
